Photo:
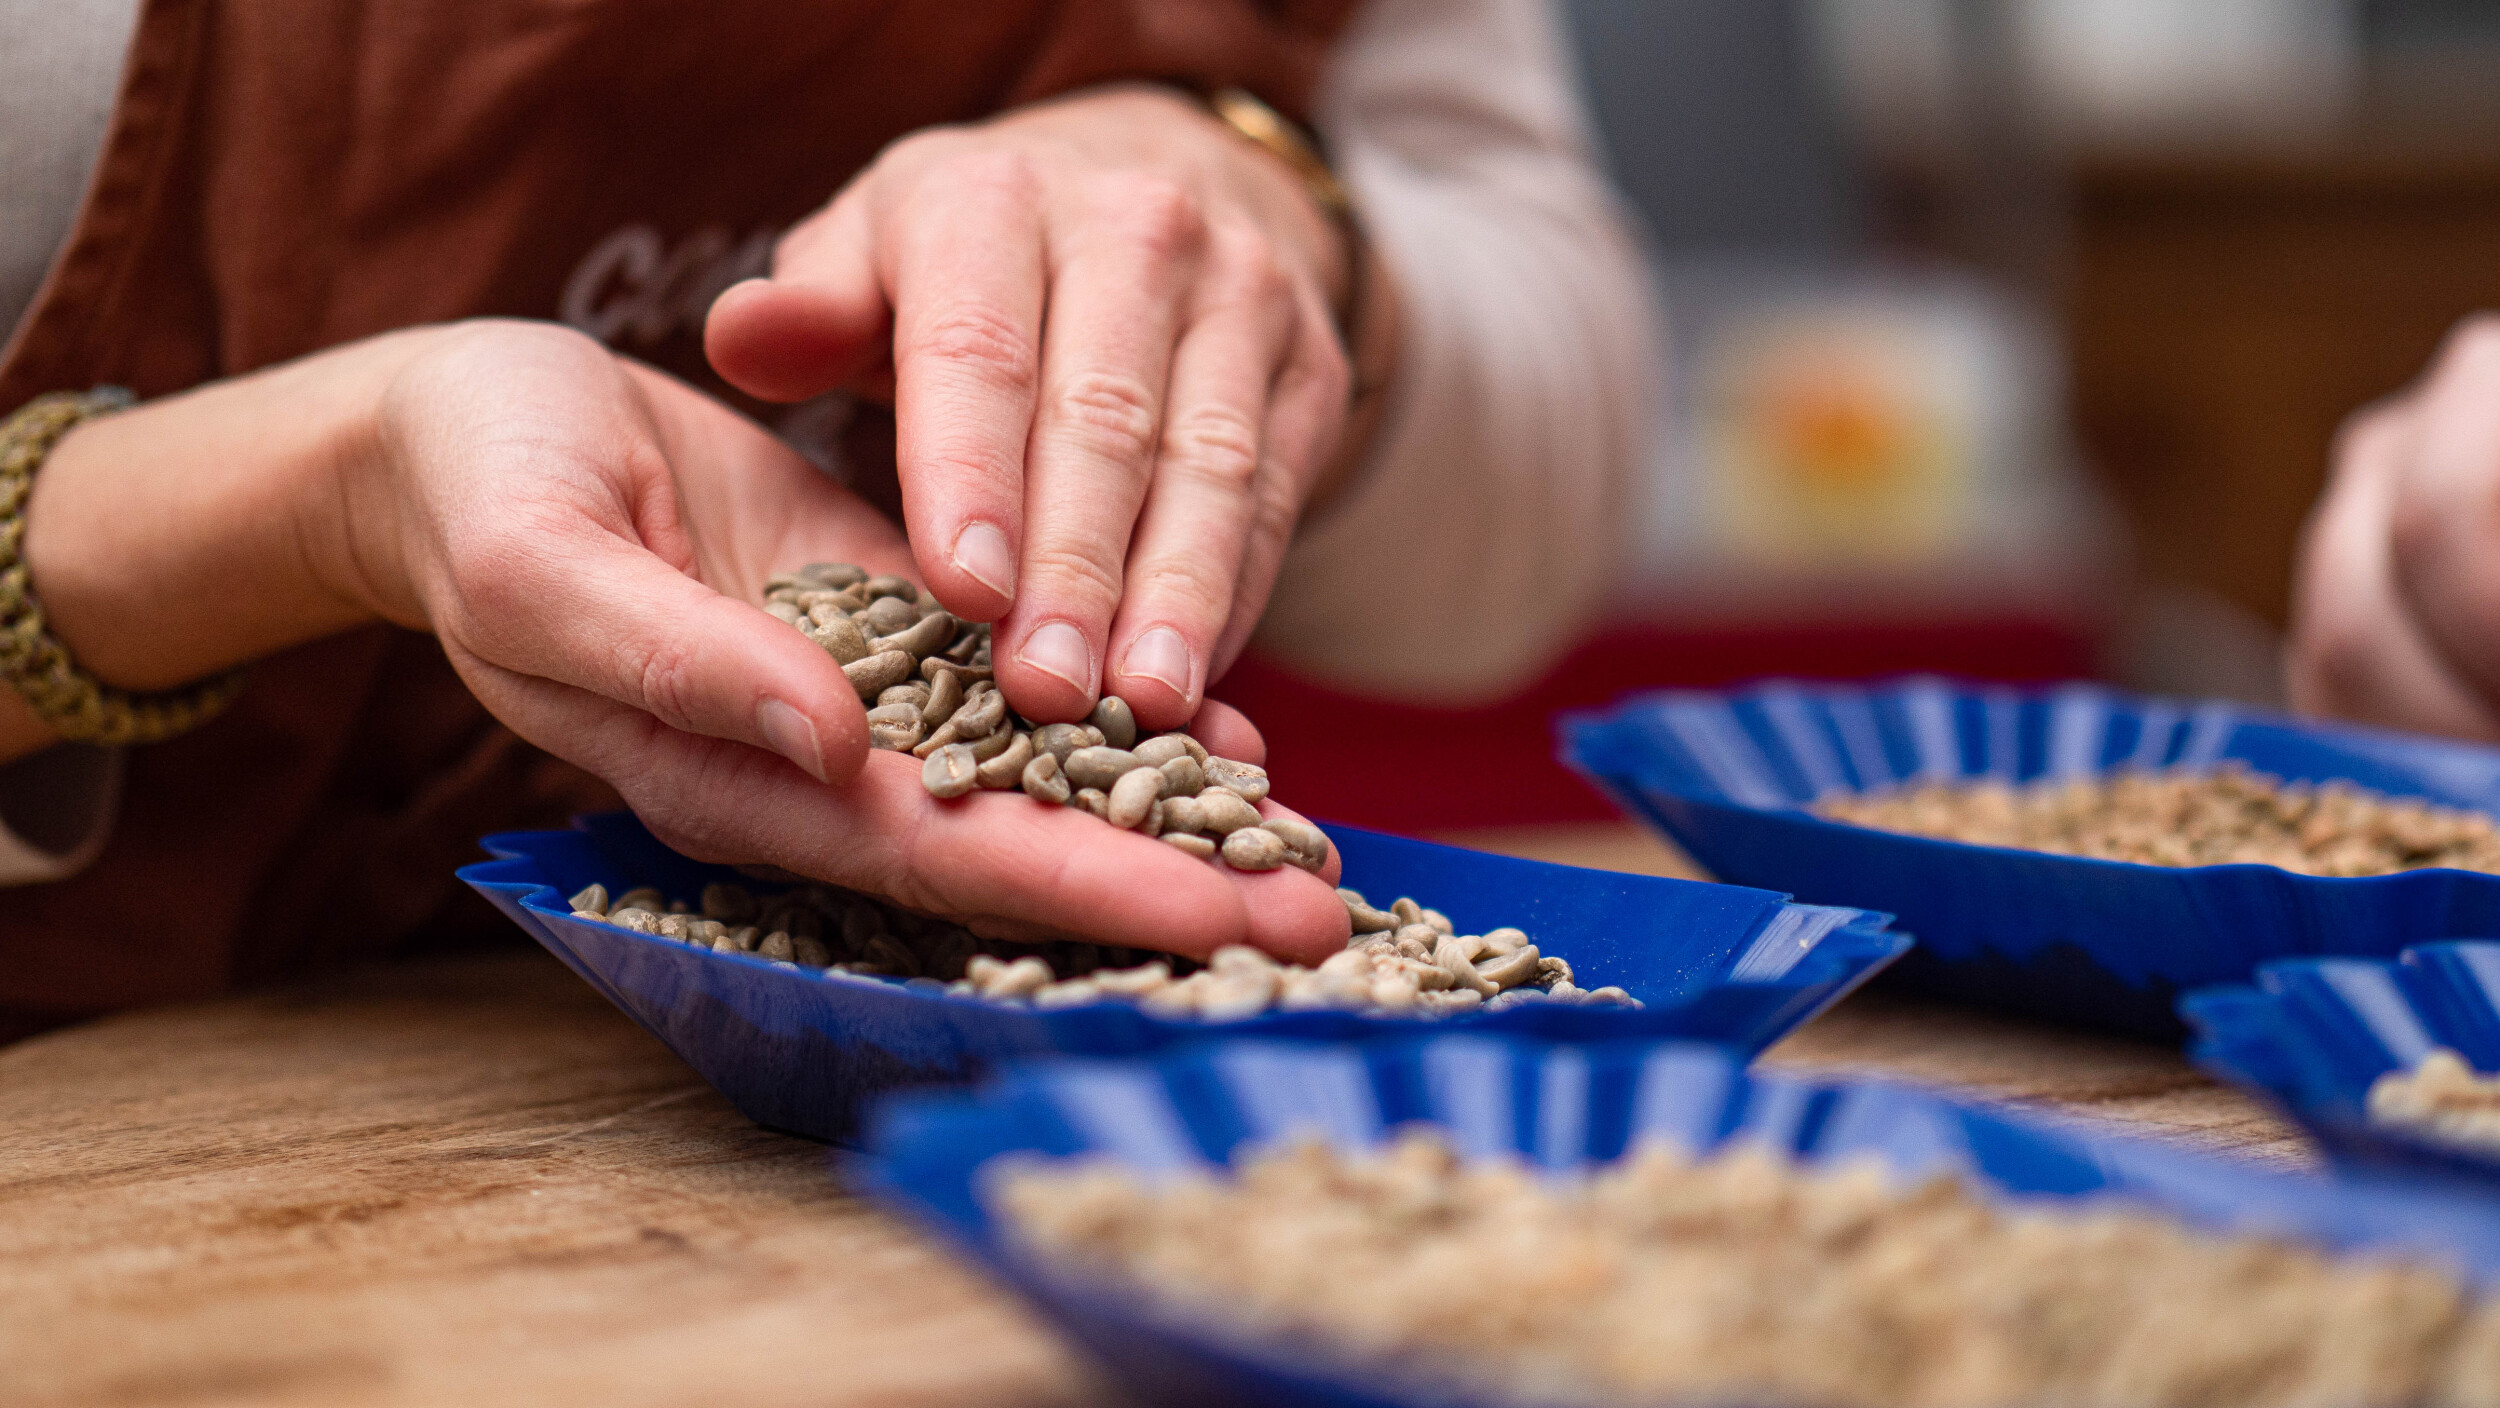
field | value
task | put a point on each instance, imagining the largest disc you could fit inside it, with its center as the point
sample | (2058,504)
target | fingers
(600,613)
(1202,509)
(1130,258)
(995,855)
(2446,526)
(1228,733)
(820,322)
(2356,651)
(967,268)
(1304,421)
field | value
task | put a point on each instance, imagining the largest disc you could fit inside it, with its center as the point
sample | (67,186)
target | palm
(637,488)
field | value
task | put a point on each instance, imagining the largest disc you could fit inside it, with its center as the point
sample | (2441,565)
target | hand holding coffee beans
(927,679)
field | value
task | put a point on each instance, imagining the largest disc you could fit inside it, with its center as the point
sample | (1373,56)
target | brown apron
(280,178)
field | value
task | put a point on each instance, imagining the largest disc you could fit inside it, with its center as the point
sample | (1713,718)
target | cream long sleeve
(1488,519)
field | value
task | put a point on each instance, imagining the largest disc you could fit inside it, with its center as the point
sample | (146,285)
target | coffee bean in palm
(835,575)
(946,695)
(1118,725)
(994,743)
(895,727)
(842,640)
(886,615)
(1254,848)
(1098,767)
(921,637)
(911,692)
(1133,796)
(951,771)
(872,676)
(969,675)
(1043,780)
(891,586)
(1248,780)
(1059,740)
(1162,748)
(1006,769)
(1308,843)
(1182,777)
(1221,813)
(1198,846)
(1183,814)
(1091,799)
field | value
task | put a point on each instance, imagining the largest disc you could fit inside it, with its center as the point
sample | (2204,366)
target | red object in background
(1400,767)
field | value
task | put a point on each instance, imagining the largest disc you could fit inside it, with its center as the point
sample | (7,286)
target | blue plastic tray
(2108,943)
(2313,1033)
(802,1052)
(1559,1107)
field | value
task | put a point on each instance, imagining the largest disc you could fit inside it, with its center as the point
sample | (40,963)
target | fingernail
(791,734)
(1057,648)
(981,553)
(1160,655)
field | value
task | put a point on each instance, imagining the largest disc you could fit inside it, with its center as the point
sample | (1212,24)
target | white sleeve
(56,809)
(1488,518)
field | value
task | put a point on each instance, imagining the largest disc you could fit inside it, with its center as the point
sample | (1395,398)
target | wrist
(198,532)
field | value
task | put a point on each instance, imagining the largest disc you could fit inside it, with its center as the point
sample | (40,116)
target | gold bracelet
(76,704)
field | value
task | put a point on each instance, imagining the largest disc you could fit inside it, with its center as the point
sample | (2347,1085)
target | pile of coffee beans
(1743,1276)
(2442,1098)
(1405,960)
(2221,816)
(932,693)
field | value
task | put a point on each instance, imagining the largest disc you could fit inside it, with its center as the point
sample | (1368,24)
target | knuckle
(980,341)
(663,674)
(1188,588)
(1067,572)
(1117,412)
(1216,446)
(1159,216)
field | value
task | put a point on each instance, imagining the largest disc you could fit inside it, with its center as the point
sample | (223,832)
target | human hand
(588,537)
(1105,325)
(2396,617)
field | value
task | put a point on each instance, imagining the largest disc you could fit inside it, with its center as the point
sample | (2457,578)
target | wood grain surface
(472,1182)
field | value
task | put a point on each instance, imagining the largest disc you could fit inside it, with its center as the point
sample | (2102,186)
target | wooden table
(472,1181)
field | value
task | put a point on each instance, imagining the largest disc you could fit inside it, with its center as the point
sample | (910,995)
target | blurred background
(2008,339)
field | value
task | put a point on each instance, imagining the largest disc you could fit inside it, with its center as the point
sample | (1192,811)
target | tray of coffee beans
(1457,1220)
(2390,1063)
(800,1001)
(2073,851)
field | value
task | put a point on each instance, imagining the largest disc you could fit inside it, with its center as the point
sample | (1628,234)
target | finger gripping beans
(929,680)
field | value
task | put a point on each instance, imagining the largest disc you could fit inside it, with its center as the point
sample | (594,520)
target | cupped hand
(2396,618)
(587,538)
(1105,325)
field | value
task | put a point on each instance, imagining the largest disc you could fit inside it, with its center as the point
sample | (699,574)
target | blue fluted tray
(1559,1107)
(799,1051)
(2108,943)
(2313,1033)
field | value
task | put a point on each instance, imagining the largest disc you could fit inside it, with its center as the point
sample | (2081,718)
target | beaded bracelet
(73,702)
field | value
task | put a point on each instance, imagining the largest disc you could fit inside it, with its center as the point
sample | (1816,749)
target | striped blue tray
(802,1052)
(1558,1107)
(1729,775)
(2313,1033)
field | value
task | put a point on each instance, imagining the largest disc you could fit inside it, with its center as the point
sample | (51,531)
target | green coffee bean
(946,695)
(1182,777)
(1247,779)
(1098,767)
(1221,813)
(1043,780)
(1309,844)
(1254,848)
(951,771)
(1007,768)
(1160,749)
(1132,796)
(1198,846)
(1118,725)
(841,639)
(870,677)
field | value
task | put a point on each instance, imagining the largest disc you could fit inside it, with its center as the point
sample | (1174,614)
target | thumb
(820,322)
(607,616)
